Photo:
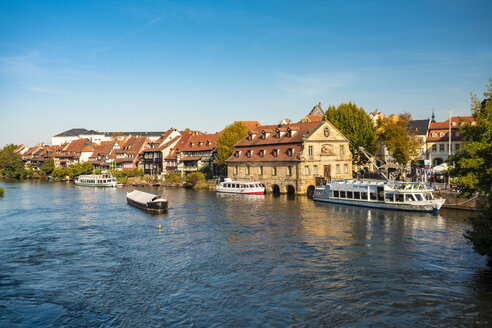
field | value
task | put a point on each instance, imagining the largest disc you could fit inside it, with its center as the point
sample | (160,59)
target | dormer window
(200,144)
(191,144)
(262,153)
(208,143)
(433,134)
(454,124)
(275,152)
(250,136)
(253,135)
(462,123)
(290,151)
(441,134)
(293,132)
(473,123)
(249,153)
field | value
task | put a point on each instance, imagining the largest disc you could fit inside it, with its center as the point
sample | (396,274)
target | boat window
(409,198)
(363,195)
(335,193)
(350,194)
(342,194)
(356,194)
(399,198)
(389,197)
(419,197)
(373,195)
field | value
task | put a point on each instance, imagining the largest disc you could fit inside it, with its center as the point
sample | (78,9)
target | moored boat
(406,196)
(240,187)
(96,180)
(146,201)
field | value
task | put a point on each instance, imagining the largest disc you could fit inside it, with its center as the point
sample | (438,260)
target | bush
(62,172)
(193,178)
(2,192)
(173,178)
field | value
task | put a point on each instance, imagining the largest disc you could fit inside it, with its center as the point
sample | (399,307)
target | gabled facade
(199,151)
(438,138)
(171,158)
(76,151)
(128,157)
(101,157)
(35,156)
(290,158)
(154,153)
(315,115)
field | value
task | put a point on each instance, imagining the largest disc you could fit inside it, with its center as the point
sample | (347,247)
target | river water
(80,256)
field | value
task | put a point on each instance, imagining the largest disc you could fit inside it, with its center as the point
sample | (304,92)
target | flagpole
(449,143)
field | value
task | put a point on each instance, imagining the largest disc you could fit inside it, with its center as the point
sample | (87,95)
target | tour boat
(146,201)
(240,187)
(101,180)
(406,196)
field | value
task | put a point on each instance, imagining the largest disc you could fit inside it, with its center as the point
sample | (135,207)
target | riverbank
(453,201)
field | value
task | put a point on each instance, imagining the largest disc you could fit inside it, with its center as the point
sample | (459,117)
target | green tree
(354,123)
(81,168)
(225,144)
(11,163)
(402,146)
(472,165)
(48,165)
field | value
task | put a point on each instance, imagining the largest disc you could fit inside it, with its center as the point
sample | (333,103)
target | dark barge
(146,201)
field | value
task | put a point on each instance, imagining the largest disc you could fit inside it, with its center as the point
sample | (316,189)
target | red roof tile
(202,142)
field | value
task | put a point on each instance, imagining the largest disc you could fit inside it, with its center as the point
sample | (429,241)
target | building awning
(185,159)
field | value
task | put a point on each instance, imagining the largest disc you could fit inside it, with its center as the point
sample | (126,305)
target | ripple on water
(72,256)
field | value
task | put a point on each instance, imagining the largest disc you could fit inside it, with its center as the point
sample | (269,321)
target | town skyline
(122,66)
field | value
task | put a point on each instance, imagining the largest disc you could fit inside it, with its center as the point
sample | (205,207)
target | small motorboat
(146,201)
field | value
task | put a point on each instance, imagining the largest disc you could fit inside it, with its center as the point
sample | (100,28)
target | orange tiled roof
(104,148)
(445,125)
(442,128)
(77,145)
(267,134)
(273,143)
(201,142)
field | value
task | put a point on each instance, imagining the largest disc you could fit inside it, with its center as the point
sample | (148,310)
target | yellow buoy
(159,227)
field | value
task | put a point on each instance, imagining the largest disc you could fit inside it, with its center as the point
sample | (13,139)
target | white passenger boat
(146,201)
(240,187)
(407,196)
(101,180)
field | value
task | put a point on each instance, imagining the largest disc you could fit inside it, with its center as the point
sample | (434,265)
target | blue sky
(153,65)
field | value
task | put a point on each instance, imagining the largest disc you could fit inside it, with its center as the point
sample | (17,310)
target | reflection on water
(78,256)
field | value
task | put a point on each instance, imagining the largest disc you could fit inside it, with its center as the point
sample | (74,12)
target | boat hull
(152,207)
(111,184)
(260,192)
(430,207)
